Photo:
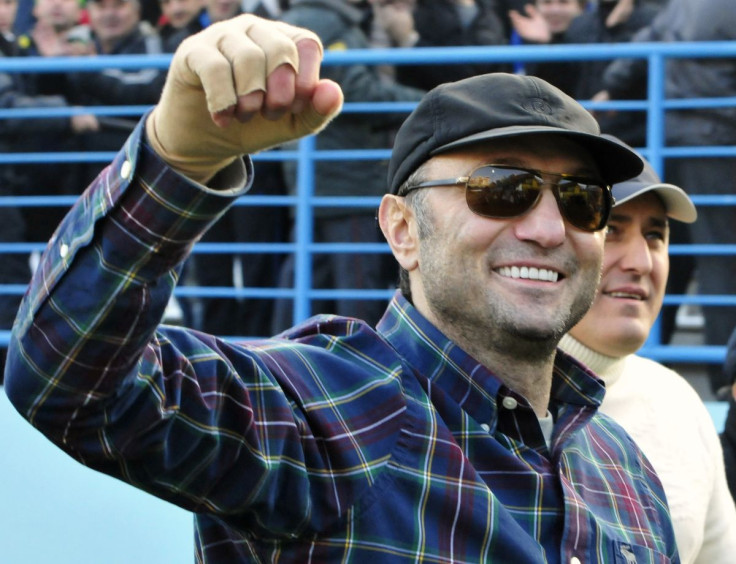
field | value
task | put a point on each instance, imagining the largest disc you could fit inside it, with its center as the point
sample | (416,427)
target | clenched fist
(239,87)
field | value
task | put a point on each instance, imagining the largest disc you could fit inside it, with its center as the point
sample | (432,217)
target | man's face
(559,13)
(465,275)
(8,11)
(635,270)
(220,10)
(180,12)
(59,14)
(112,20)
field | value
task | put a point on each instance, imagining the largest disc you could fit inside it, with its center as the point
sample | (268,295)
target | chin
(627,343)
(539,335)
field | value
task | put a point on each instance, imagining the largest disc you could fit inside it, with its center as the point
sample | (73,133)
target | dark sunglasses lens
(586,206)
(502,192)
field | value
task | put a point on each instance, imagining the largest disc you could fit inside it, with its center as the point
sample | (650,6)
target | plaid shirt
(333,442)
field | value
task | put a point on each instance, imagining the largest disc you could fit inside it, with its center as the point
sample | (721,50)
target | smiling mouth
(625,295)
(529,273)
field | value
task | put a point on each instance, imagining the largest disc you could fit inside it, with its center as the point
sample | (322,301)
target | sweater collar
(609,368)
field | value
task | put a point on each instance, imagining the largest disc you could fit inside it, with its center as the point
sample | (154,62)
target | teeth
(529,273)
(625,295)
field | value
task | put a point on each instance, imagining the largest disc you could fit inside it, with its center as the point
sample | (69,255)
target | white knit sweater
(668,420)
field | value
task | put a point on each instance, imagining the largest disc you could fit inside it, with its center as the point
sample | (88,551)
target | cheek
(660,272)
(589,248)
(610,258)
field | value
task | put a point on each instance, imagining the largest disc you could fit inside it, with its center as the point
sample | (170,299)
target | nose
(637,256)
(544,223)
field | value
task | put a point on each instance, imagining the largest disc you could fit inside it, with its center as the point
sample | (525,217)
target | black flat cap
(497,105)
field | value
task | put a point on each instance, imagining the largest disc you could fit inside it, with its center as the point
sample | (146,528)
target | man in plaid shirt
(452,432)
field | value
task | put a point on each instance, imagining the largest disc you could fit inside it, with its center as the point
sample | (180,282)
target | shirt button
(125,170)
(574,560)
(485,426)
(510,403)
(64,250)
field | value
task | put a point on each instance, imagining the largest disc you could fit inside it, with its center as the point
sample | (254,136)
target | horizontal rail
(414,55)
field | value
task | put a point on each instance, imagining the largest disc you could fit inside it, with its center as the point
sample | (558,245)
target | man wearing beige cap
(450,432)
(658,408)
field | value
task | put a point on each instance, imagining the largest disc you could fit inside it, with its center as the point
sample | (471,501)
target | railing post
(655,111)
(304,229)
(655,144)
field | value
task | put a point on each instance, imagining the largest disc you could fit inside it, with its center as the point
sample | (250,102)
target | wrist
(200,169)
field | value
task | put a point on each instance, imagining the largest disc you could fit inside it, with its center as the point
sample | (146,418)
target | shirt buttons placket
(509,403)
(125,170)
(575,560)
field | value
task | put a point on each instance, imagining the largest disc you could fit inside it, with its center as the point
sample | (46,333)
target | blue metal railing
(304,247)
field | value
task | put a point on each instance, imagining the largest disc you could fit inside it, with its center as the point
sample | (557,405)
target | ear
(400,230)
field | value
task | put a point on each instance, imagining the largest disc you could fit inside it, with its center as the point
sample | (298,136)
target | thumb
(327,99)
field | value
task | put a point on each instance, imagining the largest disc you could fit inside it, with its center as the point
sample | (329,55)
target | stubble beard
(485,324)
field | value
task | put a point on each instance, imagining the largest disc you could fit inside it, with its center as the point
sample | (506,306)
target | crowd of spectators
(51,28)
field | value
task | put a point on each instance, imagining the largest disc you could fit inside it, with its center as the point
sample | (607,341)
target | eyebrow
(660,222)
(655,221)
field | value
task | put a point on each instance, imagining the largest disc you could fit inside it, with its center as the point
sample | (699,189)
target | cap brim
(676,201)
(615,161)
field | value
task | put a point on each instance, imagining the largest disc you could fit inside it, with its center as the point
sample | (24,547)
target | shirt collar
(475,388)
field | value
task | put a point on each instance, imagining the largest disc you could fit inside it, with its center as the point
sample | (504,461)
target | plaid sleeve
(103,283)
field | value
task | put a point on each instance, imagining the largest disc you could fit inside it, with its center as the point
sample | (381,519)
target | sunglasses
(505,192)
